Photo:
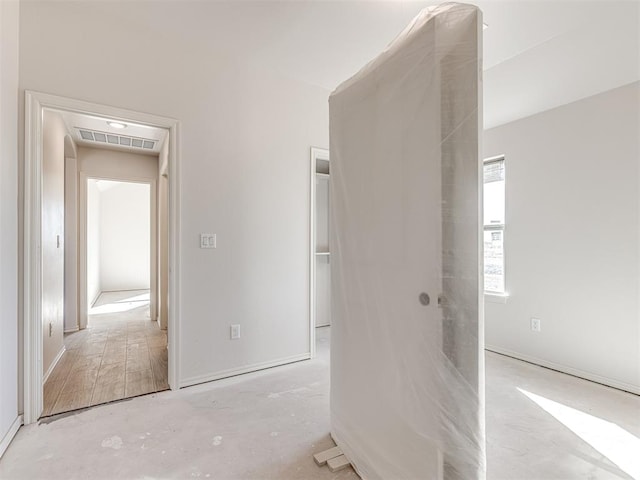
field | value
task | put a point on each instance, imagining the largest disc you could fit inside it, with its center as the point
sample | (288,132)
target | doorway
(118,237)
(121,350)
(36,312)
(319,254)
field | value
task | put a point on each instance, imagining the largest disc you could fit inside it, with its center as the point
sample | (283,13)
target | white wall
(93,242)
(245,135)
(573,238)
(70,241)
(125,236)
(103,163)
(9,17)
(53,175)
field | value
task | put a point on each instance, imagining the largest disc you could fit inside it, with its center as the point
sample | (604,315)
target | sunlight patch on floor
(123,305)
(612,441)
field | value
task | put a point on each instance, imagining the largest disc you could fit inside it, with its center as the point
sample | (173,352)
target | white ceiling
(561,52)
(538,54)
(75,121)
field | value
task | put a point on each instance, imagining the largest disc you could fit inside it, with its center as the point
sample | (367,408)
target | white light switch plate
(207,240)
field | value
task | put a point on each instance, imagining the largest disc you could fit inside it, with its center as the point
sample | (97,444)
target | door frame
(35,104)
(315,154)
(83,244)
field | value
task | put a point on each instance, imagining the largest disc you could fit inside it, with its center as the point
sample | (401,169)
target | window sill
(496,297)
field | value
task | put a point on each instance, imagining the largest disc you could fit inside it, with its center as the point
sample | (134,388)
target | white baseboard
(187,382)
(609,382)
(72,330)
(13,429)
(95,299)
(126,290)
(53,364)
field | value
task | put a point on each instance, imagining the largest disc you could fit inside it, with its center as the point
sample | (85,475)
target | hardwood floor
(120,354)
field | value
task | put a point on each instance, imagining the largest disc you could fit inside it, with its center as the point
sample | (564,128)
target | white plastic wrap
(407,397)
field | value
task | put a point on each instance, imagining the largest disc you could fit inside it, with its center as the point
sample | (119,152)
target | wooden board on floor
(338,463)
(322,457)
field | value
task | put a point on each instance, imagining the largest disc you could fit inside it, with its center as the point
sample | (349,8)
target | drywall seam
(609,382)
(188,382)
(6,440)
(53,364)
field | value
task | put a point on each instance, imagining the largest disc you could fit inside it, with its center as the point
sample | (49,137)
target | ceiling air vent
(86,135)
(112,139)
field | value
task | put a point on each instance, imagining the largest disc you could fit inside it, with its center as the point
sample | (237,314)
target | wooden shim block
(322,457)
(336,464)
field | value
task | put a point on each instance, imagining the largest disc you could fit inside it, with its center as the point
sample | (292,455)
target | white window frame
(493,296)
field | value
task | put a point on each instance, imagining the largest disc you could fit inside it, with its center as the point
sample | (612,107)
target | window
(494,226)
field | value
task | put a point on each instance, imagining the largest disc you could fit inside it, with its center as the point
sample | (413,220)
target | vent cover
(112,139)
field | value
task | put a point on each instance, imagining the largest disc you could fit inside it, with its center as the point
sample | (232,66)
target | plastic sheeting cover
(407,398)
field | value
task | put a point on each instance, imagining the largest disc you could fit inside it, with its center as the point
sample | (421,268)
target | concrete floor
(543,424)
(267,425)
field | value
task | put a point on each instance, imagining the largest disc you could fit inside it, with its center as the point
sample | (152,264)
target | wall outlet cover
(235,332)
(535,324)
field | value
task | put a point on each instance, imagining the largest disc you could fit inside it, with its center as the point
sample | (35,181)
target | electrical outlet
(207,240)
(235,332)
(535,324)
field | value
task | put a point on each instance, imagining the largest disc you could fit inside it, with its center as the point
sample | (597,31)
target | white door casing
(316,154)
(323,259)
(83,297)
(35,103)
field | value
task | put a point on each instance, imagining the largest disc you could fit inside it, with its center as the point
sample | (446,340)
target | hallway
(121,354)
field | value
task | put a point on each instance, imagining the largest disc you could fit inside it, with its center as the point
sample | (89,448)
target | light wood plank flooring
(121,354)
